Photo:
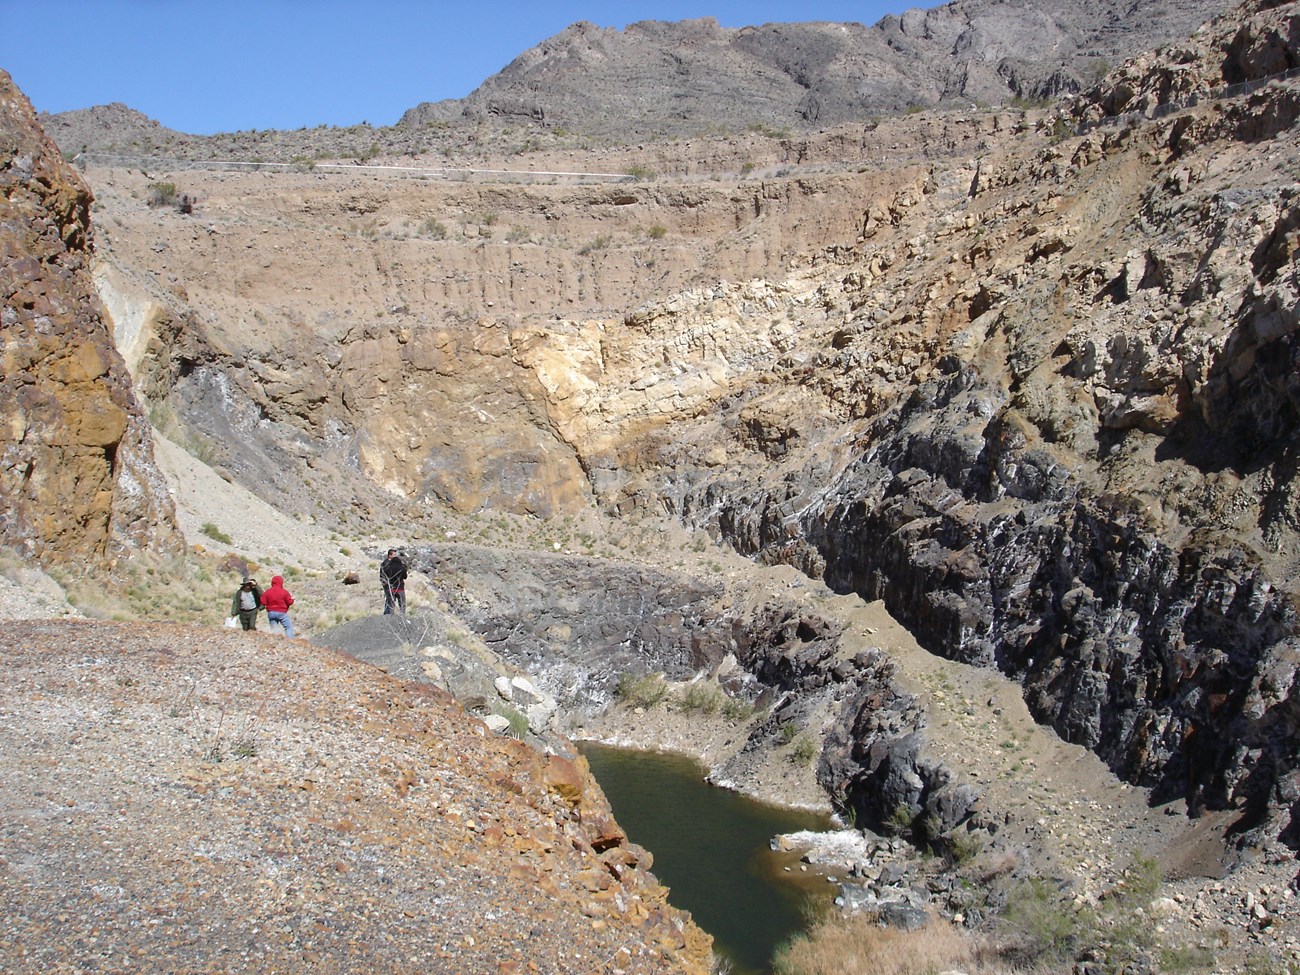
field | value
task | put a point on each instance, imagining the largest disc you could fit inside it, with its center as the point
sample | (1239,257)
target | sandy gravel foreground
(174,799)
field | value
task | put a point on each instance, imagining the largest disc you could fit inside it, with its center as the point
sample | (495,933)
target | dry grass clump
(857,944)
(190,588)
(642,690)
(700,697)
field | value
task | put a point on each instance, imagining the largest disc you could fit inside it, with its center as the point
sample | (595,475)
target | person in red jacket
(277,601)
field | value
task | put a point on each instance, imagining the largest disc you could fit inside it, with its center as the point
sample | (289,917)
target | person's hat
(248,580)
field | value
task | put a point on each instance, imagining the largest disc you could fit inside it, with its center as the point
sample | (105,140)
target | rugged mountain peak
(694,76)
(103,125)
(76,465)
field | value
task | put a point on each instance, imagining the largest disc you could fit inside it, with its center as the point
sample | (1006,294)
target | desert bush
(1186,958)
(596,244)
(737,709)
(518,720)
(161,194)
(702,697)
(643,690)
(899,821)
(964,846)
(1042,925)
(803,749)
(215,533)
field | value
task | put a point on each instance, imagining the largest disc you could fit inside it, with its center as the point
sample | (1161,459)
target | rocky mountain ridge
(654,79)
(664,80)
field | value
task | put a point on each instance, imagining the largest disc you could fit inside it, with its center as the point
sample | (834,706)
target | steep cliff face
(1084,474)
(1045,407)
(76,464)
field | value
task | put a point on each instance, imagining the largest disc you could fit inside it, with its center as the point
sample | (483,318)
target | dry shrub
(857,944)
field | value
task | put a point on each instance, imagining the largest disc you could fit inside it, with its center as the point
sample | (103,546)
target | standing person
(392,576)
(246,602)
(277,601)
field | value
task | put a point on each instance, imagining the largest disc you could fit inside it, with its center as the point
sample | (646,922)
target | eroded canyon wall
(1088,479)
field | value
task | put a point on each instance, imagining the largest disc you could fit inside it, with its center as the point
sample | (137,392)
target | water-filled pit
(711,848)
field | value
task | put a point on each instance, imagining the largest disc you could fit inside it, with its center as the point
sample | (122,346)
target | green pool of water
(711,850)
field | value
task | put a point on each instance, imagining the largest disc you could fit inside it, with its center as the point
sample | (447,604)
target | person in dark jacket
(392,577)
(277,600)
(246,602)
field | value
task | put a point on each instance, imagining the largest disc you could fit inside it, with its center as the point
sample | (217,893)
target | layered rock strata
(1087,478)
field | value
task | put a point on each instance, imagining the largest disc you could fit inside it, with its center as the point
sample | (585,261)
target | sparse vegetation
(858,944)
(215,533)
(700,697)
(1041,924)
(737,709)
(964,846)
(596,244)
(518,720)
(162,194)
(644,690)
(803,749)
(899,821)
(244,748)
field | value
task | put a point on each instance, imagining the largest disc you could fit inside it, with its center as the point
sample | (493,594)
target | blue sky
(229,65)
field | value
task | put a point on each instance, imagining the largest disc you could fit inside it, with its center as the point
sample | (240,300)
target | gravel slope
(188,799)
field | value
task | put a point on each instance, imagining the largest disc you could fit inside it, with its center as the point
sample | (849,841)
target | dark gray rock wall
(1174,661)
(577,624)
(580,623)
